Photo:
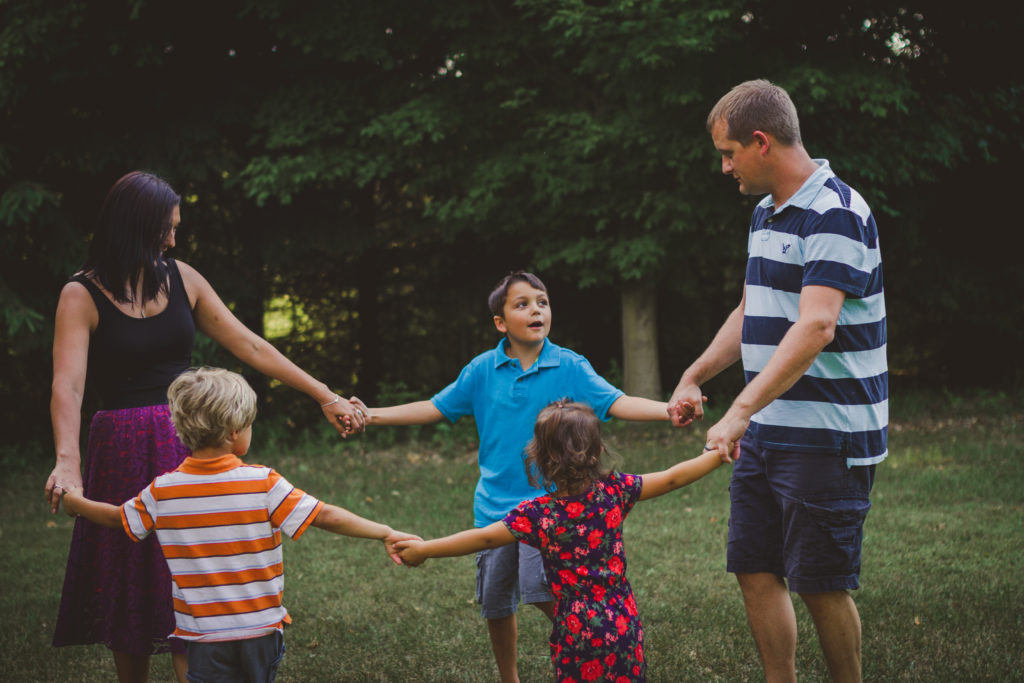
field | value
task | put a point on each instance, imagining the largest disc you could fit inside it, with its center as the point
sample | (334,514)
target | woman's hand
(63,478)
(347,417)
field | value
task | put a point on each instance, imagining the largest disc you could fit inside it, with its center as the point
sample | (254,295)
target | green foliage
(384,163)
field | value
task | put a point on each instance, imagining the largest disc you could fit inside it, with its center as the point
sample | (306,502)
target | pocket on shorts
(840,532)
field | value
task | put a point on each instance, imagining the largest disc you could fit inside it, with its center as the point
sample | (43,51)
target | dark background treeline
(366,171)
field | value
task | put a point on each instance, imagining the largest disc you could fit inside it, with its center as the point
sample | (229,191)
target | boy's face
(527,315)
(240,441)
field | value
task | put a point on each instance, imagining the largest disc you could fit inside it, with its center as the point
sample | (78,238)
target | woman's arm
(414,553)
(76,318)
(722,352)
(679,475)
(217,321)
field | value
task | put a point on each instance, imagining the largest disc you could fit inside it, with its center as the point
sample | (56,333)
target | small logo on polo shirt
(785,247)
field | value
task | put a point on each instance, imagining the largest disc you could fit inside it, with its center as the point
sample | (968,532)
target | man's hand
(725,436)
(686,406)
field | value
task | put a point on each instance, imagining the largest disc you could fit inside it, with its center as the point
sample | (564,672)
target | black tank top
(132,361)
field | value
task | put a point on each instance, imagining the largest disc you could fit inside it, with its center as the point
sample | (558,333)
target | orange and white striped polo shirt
(219,523)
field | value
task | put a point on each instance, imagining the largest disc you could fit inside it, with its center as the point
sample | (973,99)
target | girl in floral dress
(597,634)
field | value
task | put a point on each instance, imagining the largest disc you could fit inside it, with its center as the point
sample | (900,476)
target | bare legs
(180,663)
(838,625)
(131,668)
(504,634)
(135,668)
(773,625)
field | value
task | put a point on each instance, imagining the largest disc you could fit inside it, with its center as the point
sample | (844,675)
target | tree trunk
(641,375)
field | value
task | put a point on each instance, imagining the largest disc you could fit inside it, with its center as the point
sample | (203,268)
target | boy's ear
(499,322)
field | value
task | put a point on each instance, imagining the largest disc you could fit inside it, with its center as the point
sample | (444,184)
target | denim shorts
(507,573)
(252,660)
(799,516)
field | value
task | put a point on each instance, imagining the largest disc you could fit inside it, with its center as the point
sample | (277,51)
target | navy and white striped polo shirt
(823,235)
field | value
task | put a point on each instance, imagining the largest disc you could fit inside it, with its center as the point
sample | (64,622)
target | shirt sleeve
(523,523)
(838,253)
(456,399)
(291,510)
(138,515)
(594,390)
(631,485)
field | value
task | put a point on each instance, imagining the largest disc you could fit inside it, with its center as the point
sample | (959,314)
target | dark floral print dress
(597,634)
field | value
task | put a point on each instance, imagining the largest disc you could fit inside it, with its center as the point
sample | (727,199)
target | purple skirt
(117,591)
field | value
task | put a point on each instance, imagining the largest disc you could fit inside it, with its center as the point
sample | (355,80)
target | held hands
(725,436)
(412,552)
(347,417)
(62,492)
(684,408)
(70,478)
(393,542)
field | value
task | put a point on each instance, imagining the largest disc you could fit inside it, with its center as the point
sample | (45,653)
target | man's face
(745,163)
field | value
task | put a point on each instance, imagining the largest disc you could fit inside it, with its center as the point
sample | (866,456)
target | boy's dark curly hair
(566,450)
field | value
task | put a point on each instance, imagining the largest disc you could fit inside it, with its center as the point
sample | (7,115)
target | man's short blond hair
(757,105)
(208,404)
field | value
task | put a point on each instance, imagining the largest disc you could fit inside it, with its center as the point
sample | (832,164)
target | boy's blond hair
(208,404)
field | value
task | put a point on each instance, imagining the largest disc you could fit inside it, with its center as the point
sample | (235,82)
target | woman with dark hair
(129,316)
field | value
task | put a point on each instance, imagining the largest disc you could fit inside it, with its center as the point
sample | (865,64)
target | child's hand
(682,412)
(393,540)
(361,408)
(75,491)
(411,552)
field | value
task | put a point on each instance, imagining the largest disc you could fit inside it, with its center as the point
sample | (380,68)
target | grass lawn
(941,599)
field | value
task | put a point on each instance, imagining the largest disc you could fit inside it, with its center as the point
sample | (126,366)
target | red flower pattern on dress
(631,606)
(591,671)
(521,524)
(597,633)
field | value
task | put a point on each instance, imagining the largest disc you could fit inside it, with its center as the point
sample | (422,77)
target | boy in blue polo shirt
(504,389)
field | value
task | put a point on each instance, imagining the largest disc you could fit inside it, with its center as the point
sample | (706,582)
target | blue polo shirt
(823,235)
(504,400)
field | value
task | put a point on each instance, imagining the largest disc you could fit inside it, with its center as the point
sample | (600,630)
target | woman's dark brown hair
(133,224)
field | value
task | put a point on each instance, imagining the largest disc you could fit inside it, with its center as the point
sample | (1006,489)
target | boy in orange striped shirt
(219,523)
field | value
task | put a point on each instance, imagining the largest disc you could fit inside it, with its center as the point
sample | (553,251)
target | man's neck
(792,171)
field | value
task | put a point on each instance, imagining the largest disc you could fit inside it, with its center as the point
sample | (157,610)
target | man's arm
(723,351)
(813,331)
